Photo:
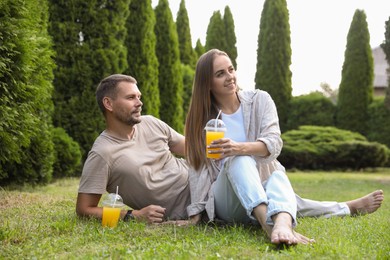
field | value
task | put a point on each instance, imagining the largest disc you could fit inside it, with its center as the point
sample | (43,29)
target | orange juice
(211,136)
(110,216)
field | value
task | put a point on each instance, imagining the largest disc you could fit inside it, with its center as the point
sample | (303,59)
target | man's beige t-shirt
(143,168)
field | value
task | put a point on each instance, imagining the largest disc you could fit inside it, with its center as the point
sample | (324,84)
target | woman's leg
(238,190)
(312,208)
(282,210)
(360,206)
(239,196)
(281,196)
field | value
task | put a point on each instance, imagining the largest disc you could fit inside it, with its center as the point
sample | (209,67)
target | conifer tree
(386,48)
(26,74)
(170,77)
(216,34)
(273,72)
(199,49)
(188,56)
(89,40)
(231,39)
(187,53)
(141,54)
(356,87)
(188,73)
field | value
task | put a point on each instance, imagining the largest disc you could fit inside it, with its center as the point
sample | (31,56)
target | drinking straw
(116,195)
(216,120)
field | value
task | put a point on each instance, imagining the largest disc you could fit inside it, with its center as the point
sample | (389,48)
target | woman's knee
(278,180)
(243,167)
(242,162)
(280,175)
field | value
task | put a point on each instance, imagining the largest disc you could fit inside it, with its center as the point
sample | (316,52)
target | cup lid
(113,200)
(215,125)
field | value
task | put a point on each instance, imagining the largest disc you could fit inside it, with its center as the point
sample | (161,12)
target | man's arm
(178,148)
(87,206)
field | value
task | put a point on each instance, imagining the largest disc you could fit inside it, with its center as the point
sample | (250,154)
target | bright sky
(319,31)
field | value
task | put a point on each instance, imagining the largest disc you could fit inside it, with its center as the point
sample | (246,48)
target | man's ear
(107,102)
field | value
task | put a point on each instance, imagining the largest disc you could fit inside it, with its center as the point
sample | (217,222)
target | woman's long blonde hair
(202,108)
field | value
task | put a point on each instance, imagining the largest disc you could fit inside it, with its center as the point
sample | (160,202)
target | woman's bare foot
(367,204)
(302,239)
(282,232)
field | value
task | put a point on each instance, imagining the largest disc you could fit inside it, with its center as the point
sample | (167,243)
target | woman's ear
(107,102)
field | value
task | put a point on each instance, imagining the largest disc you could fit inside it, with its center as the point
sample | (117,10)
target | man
(135,153)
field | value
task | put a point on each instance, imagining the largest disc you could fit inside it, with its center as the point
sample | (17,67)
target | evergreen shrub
(67,154)
(35,164)
(311,109)
(325,148)
(26,153)
(379,122)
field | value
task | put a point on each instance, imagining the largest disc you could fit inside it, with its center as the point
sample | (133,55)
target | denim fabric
(238,189)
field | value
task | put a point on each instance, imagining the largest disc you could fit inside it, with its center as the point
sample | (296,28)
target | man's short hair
(108,88)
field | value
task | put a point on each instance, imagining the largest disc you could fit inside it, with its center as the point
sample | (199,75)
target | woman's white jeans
(238,190)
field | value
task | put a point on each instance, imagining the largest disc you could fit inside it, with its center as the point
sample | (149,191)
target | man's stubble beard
(129,119)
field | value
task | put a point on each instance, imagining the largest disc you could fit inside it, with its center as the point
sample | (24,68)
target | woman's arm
(230,148)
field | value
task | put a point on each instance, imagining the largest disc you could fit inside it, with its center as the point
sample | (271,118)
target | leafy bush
(67,154)
(379,122)
(315,147)
(36,161)
(387,164)
(311,109)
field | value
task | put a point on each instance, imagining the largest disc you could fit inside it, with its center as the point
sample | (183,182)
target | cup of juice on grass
(215,129)
(112,206)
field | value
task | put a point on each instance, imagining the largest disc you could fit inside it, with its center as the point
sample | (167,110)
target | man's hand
(150,214)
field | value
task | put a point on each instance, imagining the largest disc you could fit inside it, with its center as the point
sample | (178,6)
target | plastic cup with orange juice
(215,129)
(112,206)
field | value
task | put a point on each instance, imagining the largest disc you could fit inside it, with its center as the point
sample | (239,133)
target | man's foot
(367,204)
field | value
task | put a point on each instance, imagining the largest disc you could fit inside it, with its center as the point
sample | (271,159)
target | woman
(247,183)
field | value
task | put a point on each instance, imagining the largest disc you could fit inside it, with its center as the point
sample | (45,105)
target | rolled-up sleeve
(268,131)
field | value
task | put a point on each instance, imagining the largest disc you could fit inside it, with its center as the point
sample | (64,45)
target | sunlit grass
(40,223)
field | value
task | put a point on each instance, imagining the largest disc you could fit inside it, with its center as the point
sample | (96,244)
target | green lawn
(40,223)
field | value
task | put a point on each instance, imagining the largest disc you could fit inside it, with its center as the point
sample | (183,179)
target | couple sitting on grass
(247,184)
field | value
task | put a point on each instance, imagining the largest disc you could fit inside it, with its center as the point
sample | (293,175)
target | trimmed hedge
(315,147)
